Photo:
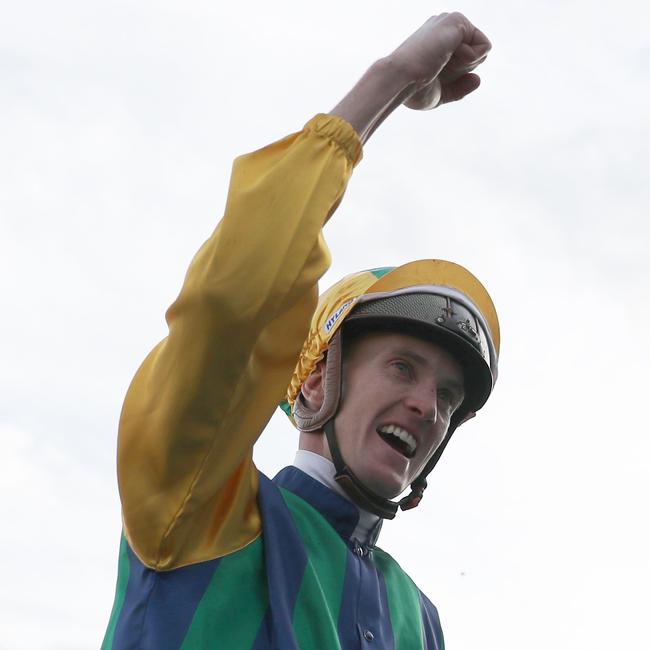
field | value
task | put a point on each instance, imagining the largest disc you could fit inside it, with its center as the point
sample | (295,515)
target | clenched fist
(433,66)
(439,57)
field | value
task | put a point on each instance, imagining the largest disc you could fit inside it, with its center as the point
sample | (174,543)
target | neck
(322,469)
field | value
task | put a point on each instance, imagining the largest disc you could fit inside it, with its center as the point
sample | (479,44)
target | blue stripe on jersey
(433,639)
(263,640)
(364,607)
(384,627)
(285,558)
(168,601)
(341,514)
(347,628)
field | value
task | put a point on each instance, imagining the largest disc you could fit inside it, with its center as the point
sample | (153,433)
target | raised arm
(431,67)
(204,394)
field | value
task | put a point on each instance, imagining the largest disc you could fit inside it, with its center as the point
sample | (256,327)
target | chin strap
(363,496)
(413,499)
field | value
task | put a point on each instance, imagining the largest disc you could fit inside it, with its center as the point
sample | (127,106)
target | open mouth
(399,439)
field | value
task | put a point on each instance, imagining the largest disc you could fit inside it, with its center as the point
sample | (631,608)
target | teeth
(403,435)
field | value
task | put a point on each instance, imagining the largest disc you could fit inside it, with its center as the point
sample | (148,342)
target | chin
(386,487)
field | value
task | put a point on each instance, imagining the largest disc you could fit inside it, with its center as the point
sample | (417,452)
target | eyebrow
(423,361)
(414,356)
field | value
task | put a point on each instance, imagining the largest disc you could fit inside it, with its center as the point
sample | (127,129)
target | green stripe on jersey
(316,614)
(232,609)
(123,573)
(403,603)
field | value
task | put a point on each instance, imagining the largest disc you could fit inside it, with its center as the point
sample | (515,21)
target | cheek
(360,394)
(435,441)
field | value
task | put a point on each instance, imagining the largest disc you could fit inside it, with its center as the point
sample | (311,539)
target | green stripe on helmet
(381,271)
(284,405)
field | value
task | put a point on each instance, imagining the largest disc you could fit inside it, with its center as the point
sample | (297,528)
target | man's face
(399,395)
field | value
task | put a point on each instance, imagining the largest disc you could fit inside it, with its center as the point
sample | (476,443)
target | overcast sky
(119,125)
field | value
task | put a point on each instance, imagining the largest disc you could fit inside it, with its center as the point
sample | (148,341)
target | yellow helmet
(432,299)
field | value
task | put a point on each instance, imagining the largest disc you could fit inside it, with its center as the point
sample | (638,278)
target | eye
(449,398)
(402,368)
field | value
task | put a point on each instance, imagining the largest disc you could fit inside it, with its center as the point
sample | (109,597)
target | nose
(424,403)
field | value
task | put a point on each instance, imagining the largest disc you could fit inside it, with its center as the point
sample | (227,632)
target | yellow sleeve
(203,396)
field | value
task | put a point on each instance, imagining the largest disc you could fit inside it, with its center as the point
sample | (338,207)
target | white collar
(322,469)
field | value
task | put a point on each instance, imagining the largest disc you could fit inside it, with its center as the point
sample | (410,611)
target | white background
(118,126)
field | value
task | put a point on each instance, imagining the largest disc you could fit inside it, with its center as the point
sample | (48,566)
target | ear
(312,391)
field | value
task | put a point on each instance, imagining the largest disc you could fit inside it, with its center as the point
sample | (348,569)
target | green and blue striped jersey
(303,584)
